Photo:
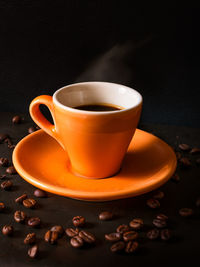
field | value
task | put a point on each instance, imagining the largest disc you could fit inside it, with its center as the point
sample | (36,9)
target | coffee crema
(99,107)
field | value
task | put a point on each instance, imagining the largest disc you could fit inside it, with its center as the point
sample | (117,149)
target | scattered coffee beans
(7,230)
(19,216)
(4,162)
(2,206)
(16,119)
(123,228)
(186,212)
(29,203)
(105,216)
(185,162)
(6,185)
(40,193)
(30,239)
(78,221)
(33,251)
(184,147)
(153,234)
(159,195)
(32,129)
(59,229)
(2,176)
(87,237)
(21,198)
(136,223)
(117,247)
(131,235)
(76,241)
(162,216)
(159,223)
(11,170)
(113,237)
(34,222)
(71,232)
(131,246)
(195,150)
(51,237)
(165,234)
(3,136)
(153,203)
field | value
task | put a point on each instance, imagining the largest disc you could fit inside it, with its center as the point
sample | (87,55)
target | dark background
(155,49)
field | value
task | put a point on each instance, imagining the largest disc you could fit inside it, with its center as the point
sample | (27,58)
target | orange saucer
(41,161)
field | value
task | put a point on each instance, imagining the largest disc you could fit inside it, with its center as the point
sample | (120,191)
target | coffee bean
(19,216)
(6,185)
(175,178)
(76,241)
(131,246)
(3,136)
(33,251)
(30,238)
(186,212)
(136,223)
(162,216)
(16,119)
(153,203)
(71,232)
(198,202)
(87,237)
(153,234)
(32,129)
(198,161)
(29,203)
(165,234)
(59,229)
(2,176)
(11,170)
(78,221)
(105,216)
(7,230)
(34,222)
(185,162)
(159,195)
(178,155)
(131,235)
(159,223)
(113,237)
(117,247)
(123,228)
(4,162)
(2,206)
(195,150)
(40,193)
(51,237)
(184,147)
(21,198)
(9,143)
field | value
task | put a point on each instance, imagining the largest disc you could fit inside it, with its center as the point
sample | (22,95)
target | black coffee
(99,107)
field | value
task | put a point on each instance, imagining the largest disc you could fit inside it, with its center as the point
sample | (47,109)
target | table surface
(57,210)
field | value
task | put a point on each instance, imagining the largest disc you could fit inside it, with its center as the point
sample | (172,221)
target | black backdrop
(155,49)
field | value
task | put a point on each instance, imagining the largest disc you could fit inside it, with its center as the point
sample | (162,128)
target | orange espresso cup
(95,142)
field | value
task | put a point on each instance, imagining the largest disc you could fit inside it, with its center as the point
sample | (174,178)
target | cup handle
(38,117)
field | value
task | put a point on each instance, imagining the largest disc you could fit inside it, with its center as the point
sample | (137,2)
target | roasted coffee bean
(6,185)
(7,230)
(184,147)
(159,223)
(32,129)
(185,162)
(123,228)
(71,232)
(87,237)
(29,203)
(78,221)
(19,216)
(113,237)
(175,178)
(131,246)
(21,198)
(59,229)
(131,235)
(3,137)
(136,223)
(30,239)
(117,247)
(162,216)
(4,162)
(34,222)
(198,202)
(76,241)
(2,176)
(33,251)
(195,150)
(2,206)
(9,143)
(105,216)
(165,234)
(198,161)
(159,195)
(16,119)
(186,212)
(153,203)
(51,237)
(153,234)
(11,170)
(40,193)
(178,155)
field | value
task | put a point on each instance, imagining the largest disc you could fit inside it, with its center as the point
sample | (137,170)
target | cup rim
(78,111)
